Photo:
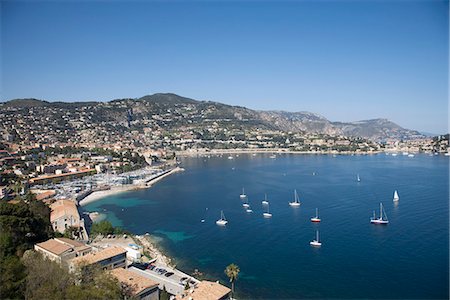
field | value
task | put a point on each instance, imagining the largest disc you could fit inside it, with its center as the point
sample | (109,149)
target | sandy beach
(124,188)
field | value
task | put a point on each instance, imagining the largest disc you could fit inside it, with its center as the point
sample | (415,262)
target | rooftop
(207,290)
(93,258)
(54,246)
(63,208)
(136,282)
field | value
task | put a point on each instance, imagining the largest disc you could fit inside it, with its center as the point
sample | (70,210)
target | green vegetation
(104,228)
(48,280)
(232,272)
(24,273)
(22,225)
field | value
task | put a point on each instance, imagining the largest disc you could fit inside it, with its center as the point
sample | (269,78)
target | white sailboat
(396,197)
(316,242)
(267,214)
(222,221)
(382,219)
(316,219)
(296,201)
(249,209)
(265,202)
(357,178)
(243,195)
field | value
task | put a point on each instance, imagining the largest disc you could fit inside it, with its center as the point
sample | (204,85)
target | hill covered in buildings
(152,120)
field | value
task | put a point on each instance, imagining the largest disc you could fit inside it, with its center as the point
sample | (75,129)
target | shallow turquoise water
(406,259)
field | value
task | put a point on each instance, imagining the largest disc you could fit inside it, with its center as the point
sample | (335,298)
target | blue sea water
(408,258)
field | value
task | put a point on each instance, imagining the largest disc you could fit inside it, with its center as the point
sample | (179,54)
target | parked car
(168,274)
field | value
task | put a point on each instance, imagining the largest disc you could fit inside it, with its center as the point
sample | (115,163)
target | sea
(406,259)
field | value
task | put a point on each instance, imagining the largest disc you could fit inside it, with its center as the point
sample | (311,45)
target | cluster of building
(118,261)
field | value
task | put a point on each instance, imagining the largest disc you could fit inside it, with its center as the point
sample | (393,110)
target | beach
(95,196)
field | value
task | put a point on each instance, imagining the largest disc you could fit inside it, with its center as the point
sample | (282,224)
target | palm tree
(232,272)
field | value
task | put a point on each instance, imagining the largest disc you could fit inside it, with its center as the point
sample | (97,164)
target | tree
(164,294)
(232,271)
(103,227)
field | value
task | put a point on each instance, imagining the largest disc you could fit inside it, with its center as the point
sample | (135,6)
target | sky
(345,60)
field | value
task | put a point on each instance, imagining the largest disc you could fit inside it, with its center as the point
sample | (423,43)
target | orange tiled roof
(136,282)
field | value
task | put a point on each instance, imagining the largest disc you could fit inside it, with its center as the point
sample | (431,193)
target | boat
(273,156)
(246,204)
(405,153)
(222,221)
(296,201)
(382,219)
(410,155)
(230,157)
(396,197)
(267,214)
(394,154)
(316,242)
(249,209)
(243,195)
(357,178)
(265,202)
(316,219)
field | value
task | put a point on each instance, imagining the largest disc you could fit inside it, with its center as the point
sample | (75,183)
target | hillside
(169,111)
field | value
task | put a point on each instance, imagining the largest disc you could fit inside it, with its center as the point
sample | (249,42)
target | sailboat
(382,219)
(265,202)
(243,195)
(316,219)
(246,204)
(296,201)
(396,197)
(357,178)
(222,221)
(316,242)
(267,214)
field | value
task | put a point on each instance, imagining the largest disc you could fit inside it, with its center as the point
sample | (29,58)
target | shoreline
(268,151)
(98,195)
(151,247)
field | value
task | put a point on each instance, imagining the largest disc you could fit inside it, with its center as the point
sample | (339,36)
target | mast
(317,235)
(317,213)
(381,211)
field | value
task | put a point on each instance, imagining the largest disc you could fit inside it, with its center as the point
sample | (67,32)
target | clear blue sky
(346,60)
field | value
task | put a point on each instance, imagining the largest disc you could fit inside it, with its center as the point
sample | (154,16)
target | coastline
(196,152)
(98,195)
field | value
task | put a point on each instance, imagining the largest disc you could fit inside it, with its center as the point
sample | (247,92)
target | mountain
(170,111)
(377,130)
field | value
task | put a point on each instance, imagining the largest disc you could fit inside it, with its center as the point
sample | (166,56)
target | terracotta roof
(44,195)
(63,208)
(75,244)
(81,172)
(206,290)
(136,282)
(54,247)
(93,258)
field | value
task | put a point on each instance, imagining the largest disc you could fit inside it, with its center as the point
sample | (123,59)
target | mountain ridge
(379,129)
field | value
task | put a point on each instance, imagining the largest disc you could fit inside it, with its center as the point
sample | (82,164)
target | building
(107,259)
(140,287)
(206,290)
(65,214)
(60,177)
(62,249)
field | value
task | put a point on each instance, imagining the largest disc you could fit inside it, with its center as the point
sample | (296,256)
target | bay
(408,258)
